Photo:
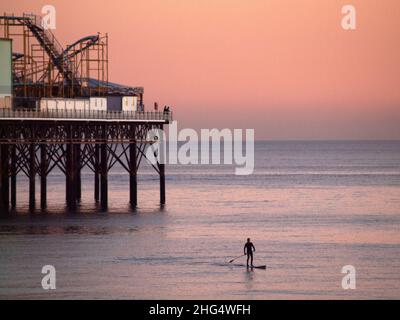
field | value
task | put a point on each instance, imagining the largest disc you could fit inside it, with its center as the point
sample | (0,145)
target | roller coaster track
(49,43)
(52,47)
(86,42)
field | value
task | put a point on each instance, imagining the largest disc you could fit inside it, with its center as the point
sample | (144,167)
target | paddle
(236,258)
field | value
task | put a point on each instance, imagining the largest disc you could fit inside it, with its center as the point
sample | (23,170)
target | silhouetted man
(249,248)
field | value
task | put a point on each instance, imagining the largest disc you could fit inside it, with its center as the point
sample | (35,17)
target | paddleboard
(259,267)
(254,267)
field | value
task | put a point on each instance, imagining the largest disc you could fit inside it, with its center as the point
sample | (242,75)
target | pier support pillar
(32,176)
(133,175)
(96,173)
(43,176)
(67,170)
(13,176)
(71,177)
(4,179)
(161,167)
(104,176)
(162,184)
(6,190)
(78,172)
(2,209)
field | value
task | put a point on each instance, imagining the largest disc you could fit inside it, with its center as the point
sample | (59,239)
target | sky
(285,68)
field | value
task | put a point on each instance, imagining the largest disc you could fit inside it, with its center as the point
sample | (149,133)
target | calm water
(310,208)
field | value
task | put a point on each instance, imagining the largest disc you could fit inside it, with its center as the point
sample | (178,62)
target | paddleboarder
(249,248)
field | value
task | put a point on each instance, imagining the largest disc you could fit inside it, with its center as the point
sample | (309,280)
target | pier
(58,110)
(34,144)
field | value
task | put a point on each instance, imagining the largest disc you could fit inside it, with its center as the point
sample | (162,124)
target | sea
(311,208)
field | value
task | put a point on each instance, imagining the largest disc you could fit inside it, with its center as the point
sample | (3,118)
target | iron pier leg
(32,176)
(78,172)
(96,173)
(67,174)
(71,178)
(4,179)
(161,167)
(133,175)
(6,189)
(104,176)
(162,184)
(43,176)
(2,173)
(13,176)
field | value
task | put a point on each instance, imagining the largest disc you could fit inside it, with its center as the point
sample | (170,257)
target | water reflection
(63,230)
(249,274)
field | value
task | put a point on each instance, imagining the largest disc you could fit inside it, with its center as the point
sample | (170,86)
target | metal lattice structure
(43,68)
(36,149)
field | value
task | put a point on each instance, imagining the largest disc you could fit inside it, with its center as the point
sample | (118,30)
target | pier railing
(85,115)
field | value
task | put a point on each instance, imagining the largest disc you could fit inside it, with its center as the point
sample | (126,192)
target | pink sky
(283,67)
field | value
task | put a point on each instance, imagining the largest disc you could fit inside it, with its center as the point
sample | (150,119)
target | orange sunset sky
(283,67)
